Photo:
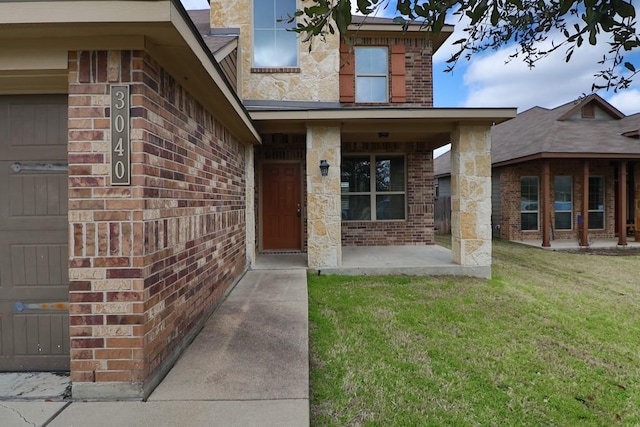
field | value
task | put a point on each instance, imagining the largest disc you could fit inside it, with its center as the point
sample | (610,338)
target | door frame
(303,203)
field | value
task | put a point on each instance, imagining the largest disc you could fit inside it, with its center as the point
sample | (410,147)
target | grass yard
(553,339)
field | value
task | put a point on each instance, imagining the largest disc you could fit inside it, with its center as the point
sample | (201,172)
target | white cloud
(552,82)
(195,4)
(489,82)
(627,101)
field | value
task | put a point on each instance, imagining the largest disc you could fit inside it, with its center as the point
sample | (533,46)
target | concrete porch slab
(432,260)
(429,260)
(280,261)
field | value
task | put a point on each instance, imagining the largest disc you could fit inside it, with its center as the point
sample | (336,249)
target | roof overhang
(37,36)
(430,125)
(375,28)
(581,156)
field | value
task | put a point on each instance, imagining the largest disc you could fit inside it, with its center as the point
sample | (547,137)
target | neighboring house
(147,156)
(556,170)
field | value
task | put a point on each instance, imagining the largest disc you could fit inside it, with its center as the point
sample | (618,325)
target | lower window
(563,203)
(529,203)
(596,202)
(373,188)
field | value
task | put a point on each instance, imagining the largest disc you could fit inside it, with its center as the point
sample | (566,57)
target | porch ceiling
(429,125)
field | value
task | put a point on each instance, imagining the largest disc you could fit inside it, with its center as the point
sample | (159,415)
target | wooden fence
(443,215)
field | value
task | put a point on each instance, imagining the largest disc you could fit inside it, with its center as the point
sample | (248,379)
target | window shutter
(398,74)
(347,74)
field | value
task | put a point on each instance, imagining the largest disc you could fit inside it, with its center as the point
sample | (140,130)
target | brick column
(324,245)
(149,261)
(105,275)
(471,198)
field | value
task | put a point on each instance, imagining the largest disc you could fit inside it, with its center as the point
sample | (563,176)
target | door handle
(299,211)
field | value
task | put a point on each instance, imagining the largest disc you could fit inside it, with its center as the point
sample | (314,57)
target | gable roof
(559,132)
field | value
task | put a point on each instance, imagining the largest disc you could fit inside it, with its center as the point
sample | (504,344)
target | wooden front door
(281,207)
(34,283)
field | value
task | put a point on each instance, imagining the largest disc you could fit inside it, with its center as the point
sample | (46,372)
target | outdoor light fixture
(324,167)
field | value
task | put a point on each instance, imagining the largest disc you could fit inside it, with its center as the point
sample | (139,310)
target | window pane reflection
(356,208)
(356,174)
(390,173)
(390,206)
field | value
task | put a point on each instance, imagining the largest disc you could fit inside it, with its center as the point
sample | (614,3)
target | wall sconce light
(324,168)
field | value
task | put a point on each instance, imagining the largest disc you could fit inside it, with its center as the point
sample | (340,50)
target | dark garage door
(34,288)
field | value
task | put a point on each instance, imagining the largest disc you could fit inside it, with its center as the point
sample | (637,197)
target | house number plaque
(120,137)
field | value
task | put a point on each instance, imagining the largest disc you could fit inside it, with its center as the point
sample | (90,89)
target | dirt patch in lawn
(607,251)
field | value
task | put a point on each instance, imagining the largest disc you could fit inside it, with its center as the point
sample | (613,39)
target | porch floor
(432,260)
(573,244)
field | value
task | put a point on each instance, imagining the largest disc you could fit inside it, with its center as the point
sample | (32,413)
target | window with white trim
(273,45)
(372,74)
(563,203)
(596,203)
(529,186)
(373,187)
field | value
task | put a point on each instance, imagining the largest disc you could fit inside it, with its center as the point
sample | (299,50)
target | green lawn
(553,339)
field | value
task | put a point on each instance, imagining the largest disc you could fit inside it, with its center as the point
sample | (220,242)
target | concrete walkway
(249,366)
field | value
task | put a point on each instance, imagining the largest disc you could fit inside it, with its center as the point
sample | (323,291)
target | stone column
(471,198)
(324,243)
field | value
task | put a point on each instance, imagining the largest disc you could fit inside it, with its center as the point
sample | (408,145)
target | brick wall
(510,190)
(418,79)
(148,261)
(418,228)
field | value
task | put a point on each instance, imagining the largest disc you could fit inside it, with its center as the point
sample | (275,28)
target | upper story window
(372,73)
(273,45)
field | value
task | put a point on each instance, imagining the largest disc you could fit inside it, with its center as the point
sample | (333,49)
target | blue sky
(486,81)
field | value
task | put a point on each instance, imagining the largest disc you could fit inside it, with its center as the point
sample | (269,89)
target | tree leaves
(497,23)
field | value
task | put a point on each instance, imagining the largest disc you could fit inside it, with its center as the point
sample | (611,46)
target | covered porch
(336,240)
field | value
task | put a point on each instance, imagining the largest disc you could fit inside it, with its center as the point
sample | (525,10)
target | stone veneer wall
(510,190)
(418,228)
(315,78)
(149,261)
(418,77)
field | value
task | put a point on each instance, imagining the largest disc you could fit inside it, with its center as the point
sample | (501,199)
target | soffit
(429,125)
(160,27)
(368,26)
